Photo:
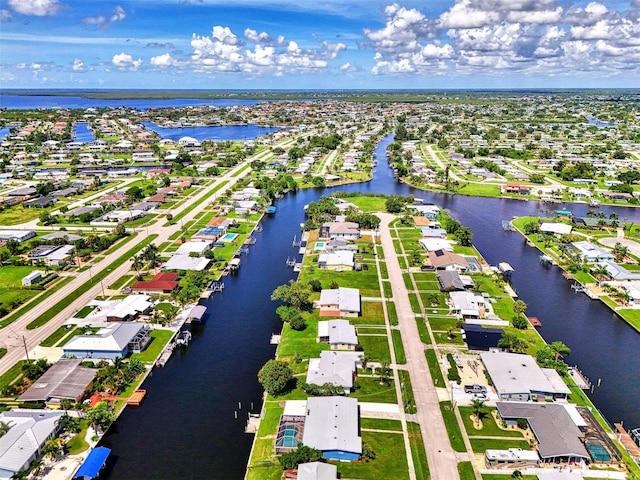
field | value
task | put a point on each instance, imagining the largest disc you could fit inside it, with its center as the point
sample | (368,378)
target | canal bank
(198,392)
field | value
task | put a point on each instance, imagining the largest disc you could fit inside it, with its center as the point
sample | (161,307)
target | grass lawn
(393,315)
(489,426)
(85,311)
(159,338)
(372,314)
(398,347)
(417,451)
(390,461)
(423,331)
(11,277)
(52,339)
(77,443)
(8,377)
(465,469)
(302,342)
(508,477)
(121,282)
(376,349)
(369,204)
(442,324)
(3,352)
(370,390)
(434,367)
(381,424)
(631,316)
(479,445)
(453,429)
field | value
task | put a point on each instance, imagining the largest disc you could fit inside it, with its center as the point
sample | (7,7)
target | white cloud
(164,60)
(39,8)
(101,21)
(5,16)
(78,66)
(124,61)
(224,52)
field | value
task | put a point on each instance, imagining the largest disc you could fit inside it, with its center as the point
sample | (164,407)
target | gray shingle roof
(65,379)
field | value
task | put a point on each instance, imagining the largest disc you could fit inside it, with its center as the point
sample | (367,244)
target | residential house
(163,282)
(591,253)
(332,426)
(467,304)
(186,262)
(444,260)
(518,377)
(558,438)
(24,441)
(339,302)
(111,342)
(339,334)
(334,367)
(317,471)
(478,337)
(337,260)
(344,230)
(65,379)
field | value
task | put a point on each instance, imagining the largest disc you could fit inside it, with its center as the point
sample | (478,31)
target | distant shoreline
(404,95)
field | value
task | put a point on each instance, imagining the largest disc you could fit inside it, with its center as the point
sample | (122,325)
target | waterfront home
(163,282)
(193,248)
(111,342)
(518,377)
(557,228)
(481,338)
(339,302)
(594,222)
(512,458)
(186,262)
(429,210)
(451,280)
(317,471)
(558,438)
(66,379)
(343,230)
(467,304)
(435,244)
(332,426)
(338,245)
(337,260)
(127,309)
(590,252)
(515,188)
(336,368)
(444,260)
(618,272)
(338,333)
(23,443)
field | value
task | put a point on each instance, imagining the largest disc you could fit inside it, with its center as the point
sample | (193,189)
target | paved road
(443,463)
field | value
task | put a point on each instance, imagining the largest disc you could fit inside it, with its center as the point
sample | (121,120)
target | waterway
(219,132)
(186,428)
(82,133)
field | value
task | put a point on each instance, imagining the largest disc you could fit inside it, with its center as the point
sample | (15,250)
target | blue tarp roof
(92,465)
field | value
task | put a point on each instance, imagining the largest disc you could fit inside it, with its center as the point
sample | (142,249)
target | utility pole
(26,350)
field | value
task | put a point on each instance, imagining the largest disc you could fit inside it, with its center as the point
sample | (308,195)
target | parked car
(475,388)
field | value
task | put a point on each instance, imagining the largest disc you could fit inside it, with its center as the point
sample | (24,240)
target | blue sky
(332,44)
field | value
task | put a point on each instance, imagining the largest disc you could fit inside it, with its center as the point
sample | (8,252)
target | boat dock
(628,443)
(136,397)
(534,321)
(275,339)
(581,380)
(165,355)
(234,264)
(253,422)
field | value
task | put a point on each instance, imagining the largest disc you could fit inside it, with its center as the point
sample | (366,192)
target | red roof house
(163,282)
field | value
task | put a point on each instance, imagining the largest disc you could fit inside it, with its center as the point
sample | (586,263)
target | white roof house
(467,304)
(128,308)
(340,301)
(336,368)
(185,262)
(518,377)
(193,247)
(331,425)
(340,334)
(317,471)
(336,260)
(23,443)
(433,244)
(556,227)
(592,253)
(116,340)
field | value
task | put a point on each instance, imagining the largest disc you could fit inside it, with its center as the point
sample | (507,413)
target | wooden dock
(137,397)
(627,441)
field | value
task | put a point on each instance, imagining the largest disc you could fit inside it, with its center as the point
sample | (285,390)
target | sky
(330,44)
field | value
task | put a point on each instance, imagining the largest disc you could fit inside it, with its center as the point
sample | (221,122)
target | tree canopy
(274,376)
(295,294)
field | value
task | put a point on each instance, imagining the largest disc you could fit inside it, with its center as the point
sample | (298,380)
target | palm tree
(136,263)
(477,407)
(600,272)
(560,349)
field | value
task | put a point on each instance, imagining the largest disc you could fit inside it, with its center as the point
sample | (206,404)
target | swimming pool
(229,237)
(597,450)
(319,246)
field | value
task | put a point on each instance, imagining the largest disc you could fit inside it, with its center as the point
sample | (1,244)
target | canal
(186,428)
